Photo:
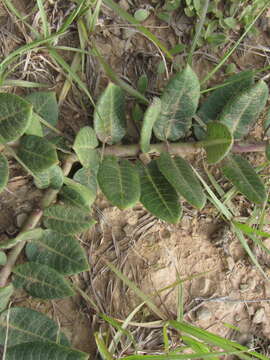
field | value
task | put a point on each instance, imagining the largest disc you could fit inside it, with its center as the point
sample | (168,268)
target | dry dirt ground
(221,285)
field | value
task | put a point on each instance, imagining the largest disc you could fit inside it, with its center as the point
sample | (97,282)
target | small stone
(243,287)
(20,220)
(259,316)
(203,313)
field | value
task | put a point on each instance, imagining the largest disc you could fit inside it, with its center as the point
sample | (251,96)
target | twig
(227,299)
(48,198)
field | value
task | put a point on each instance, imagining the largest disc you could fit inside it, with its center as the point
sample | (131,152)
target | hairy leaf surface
(214,104)
(179,102)
(53,177)
(218,142)
(85,142)
(119,181)
(25,325)
(242,111)
(43,351)
(37,153)
(239,171)
(109,115)
(45,105)
(157,194)
(15,117)
(34,127)
(41,281)
(5,294)
(60,252)
(3,258)
(76,194)
(86,177)
(67,219)
(150,117)
(4,172)
(181,176)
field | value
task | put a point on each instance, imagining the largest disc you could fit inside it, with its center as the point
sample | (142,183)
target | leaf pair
(155,185)
(237,104)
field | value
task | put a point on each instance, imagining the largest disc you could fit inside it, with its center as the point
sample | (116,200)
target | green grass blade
(44,20)
(23,83)
(102,348)
(126,16)
(198,31)
(136,290)
(231,51)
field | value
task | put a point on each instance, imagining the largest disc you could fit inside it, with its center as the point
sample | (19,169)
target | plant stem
(179,148)
(32,221)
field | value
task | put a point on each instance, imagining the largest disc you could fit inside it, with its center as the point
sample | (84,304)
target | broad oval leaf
(43,351)
(109,115)
(157,194)
(45,105)
(25,325)
(5,294)
(239,171)
(213,105)
(243,110)
(37,153)
(42,179)
(41,281)
(15,117)
(4,172)
(67,219)
(181,176)
(150,117)
(119,181)
(85,141)
(218,142)
(60,252)
(34,127)
(78,195)
(179,102)
(24,236)
(86,177)
(60,143)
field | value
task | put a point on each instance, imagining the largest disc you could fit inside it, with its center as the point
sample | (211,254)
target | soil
(221,287)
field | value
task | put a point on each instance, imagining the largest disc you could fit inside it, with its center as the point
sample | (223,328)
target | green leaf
(56,177)
(34,127)
(266,123)
(53,177)
(179,102)
(244,178)
(25,325)
(60,252)
(150,117)
(267,152)
(109,115)
(5,294)
(77,195)
(37,153)
(86,177)
(212,107)
(67,219)
(3,258)
(85,142)
(4,172)
(141,15)
(43,351)
(24,236)
(41,281)
(181,176)
(119,181)
(45,105)
(218,142)
(157,194)
(60,143)
(15,117)
(243,110)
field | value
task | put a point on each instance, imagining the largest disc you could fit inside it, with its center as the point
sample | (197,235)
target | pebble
(259,316)
(20,220)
